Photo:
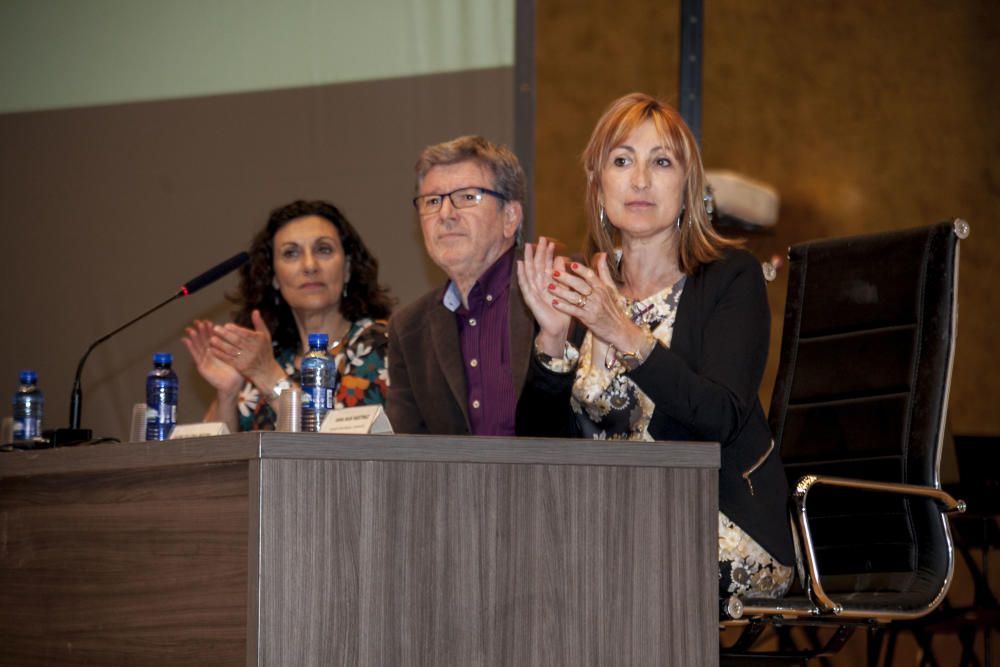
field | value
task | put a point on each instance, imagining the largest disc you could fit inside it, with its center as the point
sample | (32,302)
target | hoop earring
(680,218)
(604,221)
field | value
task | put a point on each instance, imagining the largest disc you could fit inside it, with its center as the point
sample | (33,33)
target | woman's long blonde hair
(699,242)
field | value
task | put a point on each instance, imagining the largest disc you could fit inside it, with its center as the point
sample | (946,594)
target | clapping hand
(248,351)
(536,275)
(223,377)
(592,297)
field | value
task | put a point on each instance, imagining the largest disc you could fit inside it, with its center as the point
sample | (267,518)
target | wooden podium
(308,549)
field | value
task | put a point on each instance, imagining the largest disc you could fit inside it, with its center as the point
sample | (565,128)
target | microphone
(213,274)
(75,434)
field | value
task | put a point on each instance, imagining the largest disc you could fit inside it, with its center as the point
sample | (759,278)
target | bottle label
(166,413)
(317,398)
(27,419)
(26,429)
(158,428)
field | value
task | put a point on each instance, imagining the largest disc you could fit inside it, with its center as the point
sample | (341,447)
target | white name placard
(199,430)
(361,419)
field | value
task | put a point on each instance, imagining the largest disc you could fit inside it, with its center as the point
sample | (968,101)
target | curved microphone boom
(74,433)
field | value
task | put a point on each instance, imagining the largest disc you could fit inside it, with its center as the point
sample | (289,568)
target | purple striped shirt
(484,336)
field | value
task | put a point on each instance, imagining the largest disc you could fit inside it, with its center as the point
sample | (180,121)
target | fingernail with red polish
(575,266)
(555,274)
(551,286)
(555,302)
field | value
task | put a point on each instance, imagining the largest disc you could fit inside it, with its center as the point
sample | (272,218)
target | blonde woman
(664,336)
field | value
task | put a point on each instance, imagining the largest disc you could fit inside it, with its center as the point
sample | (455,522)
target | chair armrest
(812,585)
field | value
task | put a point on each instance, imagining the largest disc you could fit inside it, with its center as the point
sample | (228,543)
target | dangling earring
(277,291)
(680,218)
(604,221)
(344,292)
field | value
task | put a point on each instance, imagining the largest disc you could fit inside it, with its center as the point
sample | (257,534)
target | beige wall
(865,116)
(105,211)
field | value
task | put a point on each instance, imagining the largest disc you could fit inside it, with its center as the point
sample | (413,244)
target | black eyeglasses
(461,198)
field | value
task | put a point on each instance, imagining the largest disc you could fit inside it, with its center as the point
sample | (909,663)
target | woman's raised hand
(592,297)
(536,275)
(247,350)
(224,378)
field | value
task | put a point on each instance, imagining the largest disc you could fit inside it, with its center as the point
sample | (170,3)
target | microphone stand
(75,434)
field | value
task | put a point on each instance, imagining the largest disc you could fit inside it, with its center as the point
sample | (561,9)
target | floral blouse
(362,375)
(615,408)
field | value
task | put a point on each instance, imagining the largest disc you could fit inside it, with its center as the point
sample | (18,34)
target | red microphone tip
(184,290)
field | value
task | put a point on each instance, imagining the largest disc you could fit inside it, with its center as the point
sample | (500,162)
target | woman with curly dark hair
(309,272)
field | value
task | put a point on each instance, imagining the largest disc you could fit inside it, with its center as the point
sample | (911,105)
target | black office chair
(978,459)
(858,411)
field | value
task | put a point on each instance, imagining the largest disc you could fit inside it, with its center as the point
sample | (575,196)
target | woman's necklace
(341,340)
(652,287)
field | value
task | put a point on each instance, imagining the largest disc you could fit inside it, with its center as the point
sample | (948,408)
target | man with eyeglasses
(458,356)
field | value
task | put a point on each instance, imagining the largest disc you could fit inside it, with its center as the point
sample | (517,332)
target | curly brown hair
(365,296)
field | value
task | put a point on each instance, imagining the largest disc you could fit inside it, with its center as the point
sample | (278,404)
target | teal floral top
(363,378)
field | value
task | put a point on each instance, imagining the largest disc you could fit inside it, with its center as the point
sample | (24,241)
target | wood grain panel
(486,564)
(253,561)
(309,562)
(553,559)
(129,456)
(123,568)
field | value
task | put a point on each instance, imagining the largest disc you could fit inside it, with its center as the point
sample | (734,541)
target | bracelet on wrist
(279,386)
(631,360)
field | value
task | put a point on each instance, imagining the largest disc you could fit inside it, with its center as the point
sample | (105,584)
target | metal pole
(692,15)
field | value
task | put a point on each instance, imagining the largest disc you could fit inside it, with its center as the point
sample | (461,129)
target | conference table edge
(318,446)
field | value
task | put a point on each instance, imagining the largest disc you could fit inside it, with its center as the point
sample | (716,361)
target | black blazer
(705,388)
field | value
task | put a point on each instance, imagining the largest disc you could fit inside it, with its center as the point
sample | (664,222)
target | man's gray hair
(508,175)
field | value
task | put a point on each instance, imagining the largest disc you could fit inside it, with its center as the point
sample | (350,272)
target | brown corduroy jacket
(427,390)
